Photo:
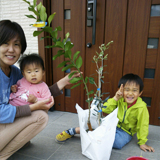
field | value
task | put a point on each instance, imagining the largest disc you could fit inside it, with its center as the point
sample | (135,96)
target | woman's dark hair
(131,78)
(28,59)
(9,30)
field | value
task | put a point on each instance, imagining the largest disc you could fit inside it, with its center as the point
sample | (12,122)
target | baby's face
(131,92)
(33,73)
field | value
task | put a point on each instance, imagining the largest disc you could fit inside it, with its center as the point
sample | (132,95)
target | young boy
(132,114)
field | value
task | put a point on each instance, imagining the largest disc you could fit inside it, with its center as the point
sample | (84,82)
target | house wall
(15,10)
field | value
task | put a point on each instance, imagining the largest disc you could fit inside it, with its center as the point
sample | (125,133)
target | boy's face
(131,92)
(33,73)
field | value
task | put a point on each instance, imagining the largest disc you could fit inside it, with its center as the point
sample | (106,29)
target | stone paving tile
(44,147)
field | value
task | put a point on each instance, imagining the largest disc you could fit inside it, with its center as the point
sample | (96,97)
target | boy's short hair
(131,78)
(28,59)
(9,30)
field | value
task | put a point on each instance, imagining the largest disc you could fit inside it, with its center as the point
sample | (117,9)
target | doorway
(134,30)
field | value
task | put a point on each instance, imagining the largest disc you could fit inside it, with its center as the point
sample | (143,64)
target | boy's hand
(14,88)
(145,148)
(32,98)
(119,93)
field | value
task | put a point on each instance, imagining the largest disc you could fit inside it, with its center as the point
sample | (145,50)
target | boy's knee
(118,144)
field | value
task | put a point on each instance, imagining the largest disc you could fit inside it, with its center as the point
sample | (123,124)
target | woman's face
(10,52)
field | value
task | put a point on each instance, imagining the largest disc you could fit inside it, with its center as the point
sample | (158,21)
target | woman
(18,124)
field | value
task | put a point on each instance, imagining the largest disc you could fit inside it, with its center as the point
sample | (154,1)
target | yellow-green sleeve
(109,106)
(142,126)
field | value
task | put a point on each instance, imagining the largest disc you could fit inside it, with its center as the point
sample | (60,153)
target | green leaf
(75,55)
(71,74)
(90,99)
(91,92)
(67,67)
(43,14)
(59,53)
(50,18)
(49,46)
(101,80)
(27,2)
(45,37)
(106,99)
(36,33)
(54,34)
(34,3)
(48,29)
(39,7)
(62,64)
(86,79)
(75,79)
(105,93)
(79,62)
(67,35)
(58,28)
(68,54)
(76,85)
(91,80)
(30,16)
(59,44)
(31,8)
(68,45)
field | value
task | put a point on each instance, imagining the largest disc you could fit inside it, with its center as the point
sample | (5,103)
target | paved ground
(44,147)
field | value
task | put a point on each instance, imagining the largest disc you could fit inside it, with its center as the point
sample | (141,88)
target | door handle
(91,17)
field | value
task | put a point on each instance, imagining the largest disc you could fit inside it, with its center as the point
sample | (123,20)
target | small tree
(65,46)
(99,61)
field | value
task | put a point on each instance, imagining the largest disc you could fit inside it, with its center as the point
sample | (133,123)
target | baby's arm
(145,147)
(119,93)
(14,88)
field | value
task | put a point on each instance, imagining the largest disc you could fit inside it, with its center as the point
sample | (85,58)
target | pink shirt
(41,91)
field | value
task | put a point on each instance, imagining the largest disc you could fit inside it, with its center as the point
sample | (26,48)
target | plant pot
(97,144)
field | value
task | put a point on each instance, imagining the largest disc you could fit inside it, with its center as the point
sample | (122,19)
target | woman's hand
(32,98)
(65,81)
(43,104)
(75,75)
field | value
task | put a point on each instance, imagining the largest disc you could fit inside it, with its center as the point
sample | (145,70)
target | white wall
(15,10)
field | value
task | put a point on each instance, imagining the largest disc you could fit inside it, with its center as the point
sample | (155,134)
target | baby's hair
(28,59)
(128,78)
(9,30)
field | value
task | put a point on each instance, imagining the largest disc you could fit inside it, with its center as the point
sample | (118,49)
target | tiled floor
(44,147)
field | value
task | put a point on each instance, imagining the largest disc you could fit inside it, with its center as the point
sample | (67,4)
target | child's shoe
(62,137)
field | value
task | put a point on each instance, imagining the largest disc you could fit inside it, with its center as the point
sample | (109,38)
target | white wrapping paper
(97,144)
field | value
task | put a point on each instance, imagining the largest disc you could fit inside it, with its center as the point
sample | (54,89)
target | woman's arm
(42,105)
(26,110)
(57,87)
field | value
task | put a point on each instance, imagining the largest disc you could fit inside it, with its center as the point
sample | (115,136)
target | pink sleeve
(45,92)
(18,83)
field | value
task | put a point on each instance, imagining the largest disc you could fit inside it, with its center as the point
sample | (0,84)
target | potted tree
(74,60)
